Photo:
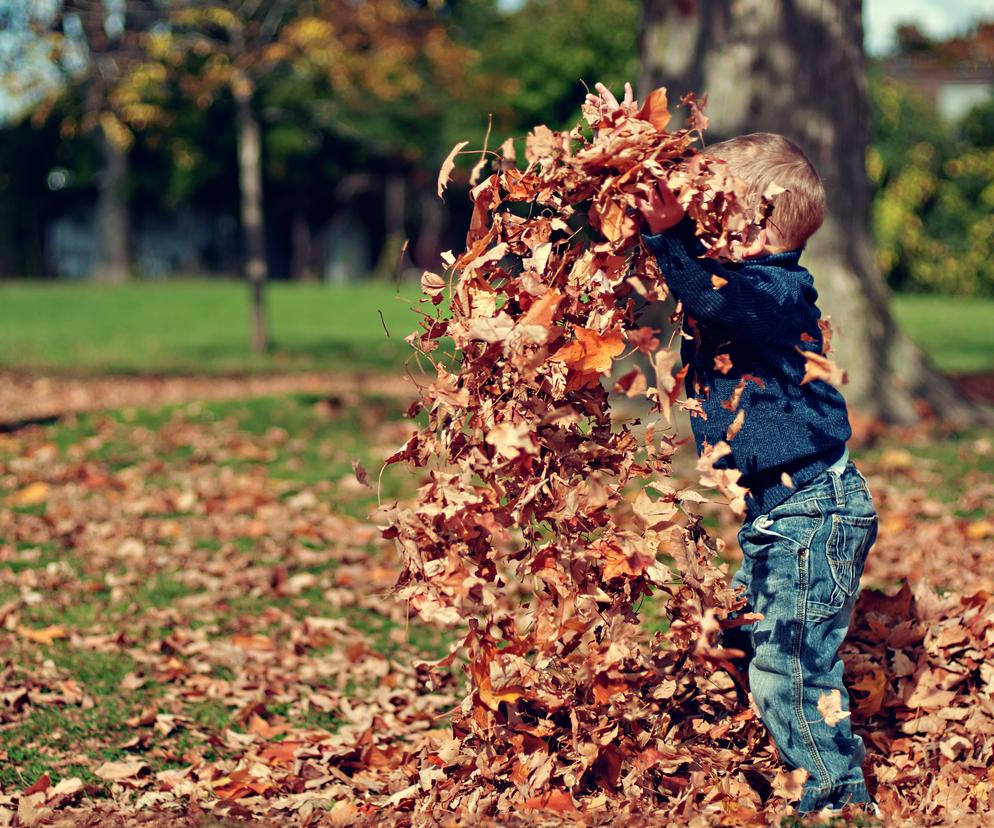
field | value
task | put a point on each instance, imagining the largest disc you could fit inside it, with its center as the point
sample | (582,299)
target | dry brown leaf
(448,165)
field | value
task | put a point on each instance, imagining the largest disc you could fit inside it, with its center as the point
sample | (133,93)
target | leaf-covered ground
(193,620)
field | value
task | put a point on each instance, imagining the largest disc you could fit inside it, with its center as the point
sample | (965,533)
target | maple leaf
(830,707)
(655,109)
(591,352)
(874,684)
(510,439)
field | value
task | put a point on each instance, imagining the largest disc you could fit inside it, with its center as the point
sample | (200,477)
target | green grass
(957,332)
(201,326)
(70,740)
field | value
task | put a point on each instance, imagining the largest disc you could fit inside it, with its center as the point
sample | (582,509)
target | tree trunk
(113,220)
(394,195)
(430,229)
(253,227)
(301,247)
(796,67)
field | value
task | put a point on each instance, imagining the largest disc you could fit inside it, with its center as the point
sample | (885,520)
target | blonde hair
(762,159)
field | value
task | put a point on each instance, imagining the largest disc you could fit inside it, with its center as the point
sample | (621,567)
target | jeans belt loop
(837,488)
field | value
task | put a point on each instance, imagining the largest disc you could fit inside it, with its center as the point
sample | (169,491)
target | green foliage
(933,213)
(550,48)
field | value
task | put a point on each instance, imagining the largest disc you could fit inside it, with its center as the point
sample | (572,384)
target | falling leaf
(448,165)
(655,109)
(510,439)
(818,367)
(736,425)
(874,685)
(723,363)
(432,284)
(360,473)
(543,309)
(590,352)
(830,707)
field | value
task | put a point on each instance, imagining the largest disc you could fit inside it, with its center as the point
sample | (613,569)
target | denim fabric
(801,568)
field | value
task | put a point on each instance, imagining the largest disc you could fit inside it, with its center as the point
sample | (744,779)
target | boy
(810,520)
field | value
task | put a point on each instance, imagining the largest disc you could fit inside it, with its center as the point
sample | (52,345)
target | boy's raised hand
(606,104)
(661,210)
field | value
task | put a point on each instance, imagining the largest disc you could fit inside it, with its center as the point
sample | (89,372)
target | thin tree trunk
(253,226)
(302,247)
(393,215)
(796,67)
(432,224)
(113,220)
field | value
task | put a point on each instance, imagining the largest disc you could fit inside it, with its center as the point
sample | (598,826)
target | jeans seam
(796,668)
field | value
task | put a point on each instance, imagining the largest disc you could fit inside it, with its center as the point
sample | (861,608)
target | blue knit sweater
(758,320)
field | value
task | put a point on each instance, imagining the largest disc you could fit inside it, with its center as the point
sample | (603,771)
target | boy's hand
(606,104)
(661,210)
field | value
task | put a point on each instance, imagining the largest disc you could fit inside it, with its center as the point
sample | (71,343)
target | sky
(937,18)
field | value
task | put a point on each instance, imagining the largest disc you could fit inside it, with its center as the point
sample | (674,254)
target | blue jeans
(801,568)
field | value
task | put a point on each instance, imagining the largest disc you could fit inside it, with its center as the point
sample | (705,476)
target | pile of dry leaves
(541,526)
(531,493)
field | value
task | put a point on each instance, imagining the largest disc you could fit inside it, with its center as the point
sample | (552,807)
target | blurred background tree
(300,139)
(933,214)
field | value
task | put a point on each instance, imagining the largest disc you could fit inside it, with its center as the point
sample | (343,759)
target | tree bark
(797,67)
(301,247)
(394,196)
(253,226)
(430,228)
(113,264)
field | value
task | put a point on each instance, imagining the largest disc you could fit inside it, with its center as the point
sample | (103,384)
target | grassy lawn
(957,332)
(177,557)
(186,326)
(197,601)
(198,326)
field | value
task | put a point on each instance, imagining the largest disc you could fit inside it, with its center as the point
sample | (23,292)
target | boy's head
(764,158)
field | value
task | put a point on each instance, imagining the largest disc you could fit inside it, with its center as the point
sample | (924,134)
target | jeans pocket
(848,544)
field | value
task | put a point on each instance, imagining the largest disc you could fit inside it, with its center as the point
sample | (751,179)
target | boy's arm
(749,299)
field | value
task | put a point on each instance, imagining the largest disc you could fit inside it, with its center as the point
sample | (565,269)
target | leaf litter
(262,684)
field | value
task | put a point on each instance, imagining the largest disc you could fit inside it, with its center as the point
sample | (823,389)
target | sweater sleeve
(755,300)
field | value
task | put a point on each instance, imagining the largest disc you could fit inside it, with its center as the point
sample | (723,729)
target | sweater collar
(786,258)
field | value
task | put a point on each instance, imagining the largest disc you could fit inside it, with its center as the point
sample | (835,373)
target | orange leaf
(559,801)
(820,367)
(591,352)
(252,642)
(874,684)
(31,495)
(655,109)
(543,309)
(46,635)
(263,728)
(280,753)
